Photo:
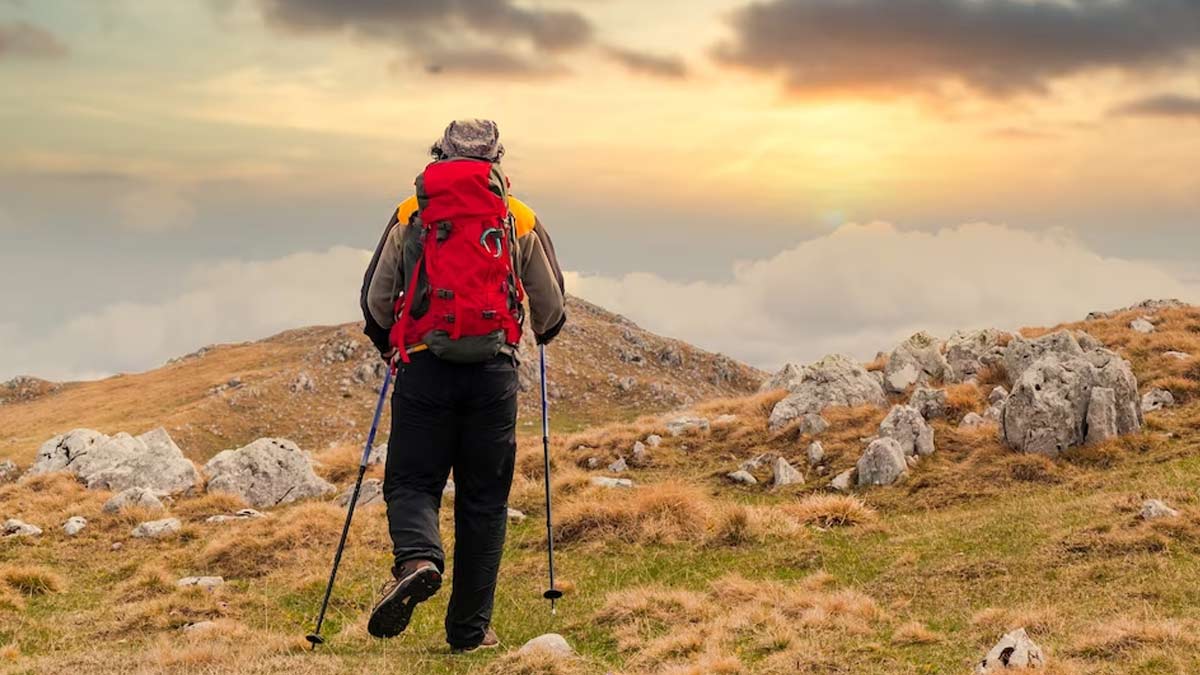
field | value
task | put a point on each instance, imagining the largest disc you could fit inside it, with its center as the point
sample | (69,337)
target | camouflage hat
(475,138)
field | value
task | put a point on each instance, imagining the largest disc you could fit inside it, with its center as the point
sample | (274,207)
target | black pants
(462,417)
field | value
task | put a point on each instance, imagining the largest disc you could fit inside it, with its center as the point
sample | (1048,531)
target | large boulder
(116,463)
(835,380)
(787,378)
(1022,353)
(907,426)
(882,463)
(968,352)
(1054,401)
(932,403)
(140,498)
(917,360)
(268,472)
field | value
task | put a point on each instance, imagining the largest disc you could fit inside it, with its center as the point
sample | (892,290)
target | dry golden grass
(11,600)
(534,663)
(1123,636)
(339,465)
(181,607)
(32,579)
(208,504)
(151,580)
(998,620)
(964,398)
(263,545)
(664,513)
(914,633)
(10,651)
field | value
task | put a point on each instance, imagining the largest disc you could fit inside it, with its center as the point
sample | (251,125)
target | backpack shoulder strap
(524,216)
(406,209)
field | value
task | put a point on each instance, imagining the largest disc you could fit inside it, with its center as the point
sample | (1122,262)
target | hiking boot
(490,641)
(415,581)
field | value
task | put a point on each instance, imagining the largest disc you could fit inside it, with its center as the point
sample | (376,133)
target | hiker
(442,299)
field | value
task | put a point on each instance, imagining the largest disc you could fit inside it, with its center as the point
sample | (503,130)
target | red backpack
(465,291)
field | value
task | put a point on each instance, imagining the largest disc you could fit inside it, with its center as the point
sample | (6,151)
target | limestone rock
(917,360)
(371,494)
(882,463)
(685,424)
(835,380)
(1142,325)
(74,525)
(378,456)
(199,627)
(101,462)
(971,421)
(552,644)
(515,516)
(1022,352)
(268,472)
(303,382)
(815,453)
(19,528)
(243,514)
(907,427)
(812,424)
(994,414)
(1015,651)
(1155,508)
(787,378)
(742,476)
(619,466)
(999,395)
(1178,356)
(968,352)
(209,584)
(931,403)
(134,497)
(783,474)
(844,481)
(724,420)
(654,440)
(640,456)
(1101,415)
(156,529)
(9,471)
(1157,399)
(607,482)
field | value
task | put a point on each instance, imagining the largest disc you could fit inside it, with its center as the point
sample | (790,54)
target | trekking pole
(552,593)
(315,637)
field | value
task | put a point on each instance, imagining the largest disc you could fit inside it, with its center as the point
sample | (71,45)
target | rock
(844,481)
(815,453)
(1101,415)
(9,471)
(268,472)
(135,497)
(19,528)
(999,395)
(994,414)
(757,462)
(244,514)
(199,627)
(1178,356)
(787,378)
(783,474)
(671,357)
(971,420)
(116,463)
(1015,651)
(370,372)
(835,380)
(724,420)
(917,360)
(931,403)
(1151,305)
(156,529)
(1048,410)
(116,546)
(370,494)
(654,440)
(640,455)
(618,466)
(378,456)
(551,644)
(515,515)
(742,476)
(1157,399)
(882,463)
(907,427)
(1155,508)
(812,424)
(1142,325)
(593,462)
(1022,353)
(209,584)
(626,383)
(303,382)
(74,525)
(968,352)
(606,482)
(685,424)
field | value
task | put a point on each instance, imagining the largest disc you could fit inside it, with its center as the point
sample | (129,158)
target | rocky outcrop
(786,378)
(835,380)
(882,463)
(906,426)
(917,360)
(268,472)
(972,420)
(1142,325)
(686,424)
(371,493)
(930,402)
(133,498)
(156,529)
(1022,353)
(968,352)
(101,462)
(1015,651)
(1157,399)
(1101,416)
(1152,306)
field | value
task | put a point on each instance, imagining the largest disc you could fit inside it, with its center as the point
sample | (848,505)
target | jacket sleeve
(543,281)
(380,280)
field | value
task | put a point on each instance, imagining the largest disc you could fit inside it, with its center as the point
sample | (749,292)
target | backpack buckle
(489,313)
(445,294)
(443,230)
(449,318)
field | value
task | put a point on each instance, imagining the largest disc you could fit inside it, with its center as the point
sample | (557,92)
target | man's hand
(545,338)
(390,357)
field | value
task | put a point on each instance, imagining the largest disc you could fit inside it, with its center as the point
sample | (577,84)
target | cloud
(154,209)
(668,67)
(20,39)
(863,288)
(1166,105)
(223,302)
(998,47)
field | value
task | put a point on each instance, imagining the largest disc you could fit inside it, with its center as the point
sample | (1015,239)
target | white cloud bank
(857,290)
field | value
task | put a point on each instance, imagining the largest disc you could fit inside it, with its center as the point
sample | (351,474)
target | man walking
(443,302)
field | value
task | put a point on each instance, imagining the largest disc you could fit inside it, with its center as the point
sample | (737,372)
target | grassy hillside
(686,573)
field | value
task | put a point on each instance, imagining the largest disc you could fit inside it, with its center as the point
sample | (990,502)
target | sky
(773,179)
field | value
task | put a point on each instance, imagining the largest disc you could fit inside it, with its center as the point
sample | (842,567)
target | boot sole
(391,616)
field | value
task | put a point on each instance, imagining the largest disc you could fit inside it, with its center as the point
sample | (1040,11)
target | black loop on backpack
(489,313)
(443,230)
(449,318)
(445,294)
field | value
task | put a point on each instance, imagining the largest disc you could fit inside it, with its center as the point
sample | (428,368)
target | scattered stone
(370,494)
(1178,356)
(627,383)
(378,456)
(654,440)
(1156,508)
(551,644)
(816,453)
(606,482)
(1142,325)
(303,382)
(999,395)
(19,528)
(199,627)
(115,463)
(994,414)
(369,372)
(1101,415)
(917,360)
(783,474)
(116,546)
(882,463)
(156,529)
(742,476)
(1015,651)
(906,425)
(835,380)
(134,497)
(268,472)
(9,471)
(687,424)
(74,525)
(971,420)
(515,515)
(724,420)
(967,353)
(812,424)
(1151,305)
(757,462)
(640,455)
(844,481)
(931,403)
(618,466)
(593,462)
(209,584)
(243,514)
(1157,399)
